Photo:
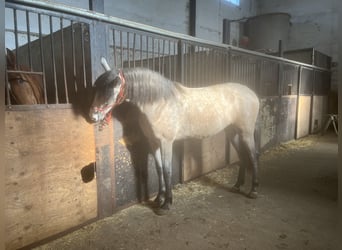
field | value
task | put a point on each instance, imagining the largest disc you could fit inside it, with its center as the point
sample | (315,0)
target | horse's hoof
(163,210)
(253,195)
(158,200)
(235,189)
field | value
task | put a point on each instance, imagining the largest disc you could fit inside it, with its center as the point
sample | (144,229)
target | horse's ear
(105,64)
(10,58)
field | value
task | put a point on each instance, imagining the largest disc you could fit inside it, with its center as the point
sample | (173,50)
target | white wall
(210,15)
(313,23)
(83,4)
(170,15)
(174,15)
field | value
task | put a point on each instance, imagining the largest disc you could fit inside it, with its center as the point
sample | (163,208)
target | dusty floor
(296,209)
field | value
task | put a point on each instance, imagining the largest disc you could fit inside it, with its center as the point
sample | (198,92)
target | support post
(104,139)
(2,129)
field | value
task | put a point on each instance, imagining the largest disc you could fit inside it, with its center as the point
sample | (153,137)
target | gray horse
(172,112)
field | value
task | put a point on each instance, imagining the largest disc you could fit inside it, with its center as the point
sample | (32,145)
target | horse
(24,88)
(171,111)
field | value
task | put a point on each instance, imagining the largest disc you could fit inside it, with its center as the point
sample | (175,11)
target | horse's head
(109,92)
(25,87)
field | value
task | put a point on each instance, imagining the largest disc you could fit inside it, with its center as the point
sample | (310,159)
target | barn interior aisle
(296,209)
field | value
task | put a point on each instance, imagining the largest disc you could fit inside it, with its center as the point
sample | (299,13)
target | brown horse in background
(24,88)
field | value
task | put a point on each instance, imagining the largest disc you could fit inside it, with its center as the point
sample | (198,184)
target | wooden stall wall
(49,182)
(319,113)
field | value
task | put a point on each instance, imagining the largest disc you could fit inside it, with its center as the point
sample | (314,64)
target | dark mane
(145,86)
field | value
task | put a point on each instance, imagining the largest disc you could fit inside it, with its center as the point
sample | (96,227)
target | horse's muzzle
(95,116)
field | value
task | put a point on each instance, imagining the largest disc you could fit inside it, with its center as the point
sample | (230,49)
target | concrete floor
(296,209)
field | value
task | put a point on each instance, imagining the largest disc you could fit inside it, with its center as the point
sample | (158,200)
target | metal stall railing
(52,45)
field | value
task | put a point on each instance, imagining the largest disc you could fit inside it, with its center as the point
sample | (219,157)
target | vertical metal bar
(147,51)
(141,51)
(128,50)
(52,42)
(179,65)
(195,68)
(134,37)
(28,39)
(63,61)
(121,50)
(42,56)
(114,49)
(178,46)
(229,66)
(73,55)
(7,90)
(170,61)
(188,65)
(153,62)
(163,60)
(159,69)
(298,97)
(16,37)
(83,56)
(215,67)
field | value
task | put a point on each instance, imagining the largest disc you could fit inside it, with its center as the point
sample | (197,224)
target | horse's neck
(146,87)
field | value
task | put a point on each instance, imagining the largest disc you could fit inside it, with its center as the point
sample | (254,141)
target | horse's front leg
(166,153)
(159,166)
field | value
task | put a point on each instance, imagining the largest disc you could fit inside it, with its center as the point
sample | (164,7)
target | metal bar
(121,50)
(7,89)
(42,56)
(16,37)
(141,51)
(195,65)
(163,60)
(52,43)
(114,49)
(179,63)
(63,61)
(175,62)
(73,55)
(128,48)
(153,61)
(159,69)
(170,61)
(188,65)
(147,52)
(298,96)
(83,57)
(25,72)
(134,37)
(28,39)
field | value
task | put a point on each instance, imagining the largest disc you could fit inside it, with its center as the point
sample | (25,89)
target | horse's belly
(200,125)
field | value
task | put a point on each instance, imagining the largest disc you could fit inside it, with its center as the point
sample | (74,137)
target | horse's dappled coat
(172,112)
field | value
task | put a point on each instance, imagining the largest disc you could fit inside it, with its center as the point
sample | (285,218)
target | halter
(119,99)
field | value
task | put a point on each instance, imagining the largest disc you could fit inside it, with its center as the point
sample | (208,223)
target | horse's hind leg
(249,143)
(236,142)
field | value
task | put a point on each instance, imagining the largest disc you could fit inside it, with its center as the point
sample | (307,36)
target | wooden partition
(49,182)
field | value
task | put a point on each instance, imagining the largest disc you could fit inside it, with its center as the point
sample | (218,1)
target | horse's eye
(21,81)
